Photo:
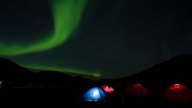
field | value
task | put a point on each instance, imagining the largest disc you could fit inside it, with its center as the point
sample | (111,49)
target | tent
(138,90)
(95,94)
(107,88)
(178,92)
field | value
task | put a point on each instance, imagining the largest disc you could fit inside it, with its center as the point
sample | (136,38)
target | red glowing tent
(107,88)
(178,92)
(138,90)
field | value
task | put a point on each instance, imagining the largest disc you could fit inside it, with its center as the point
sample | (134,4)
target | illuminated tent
(107,88)
(95,94)
(137,90)
(178,92)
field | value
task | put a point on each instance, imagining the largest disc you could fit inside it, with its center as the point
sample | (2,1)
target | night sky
(103,38)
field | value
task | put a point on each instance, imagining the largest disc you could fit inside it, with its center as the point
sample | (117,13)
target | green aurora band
(93,73)
(67,15)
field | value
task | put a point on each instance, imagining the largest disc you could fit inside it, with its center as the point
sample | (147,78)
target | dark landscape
(165,85)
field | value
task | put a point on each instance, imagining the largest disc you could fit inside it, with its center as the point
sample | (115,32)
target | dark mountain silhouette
(56,88)
(46,87)
(52,76)
(60,79)
(12,71)
(176,68)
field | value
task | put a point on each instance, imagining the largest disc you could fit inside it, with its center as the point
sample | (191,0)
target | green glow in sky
(65,70)
(66,14)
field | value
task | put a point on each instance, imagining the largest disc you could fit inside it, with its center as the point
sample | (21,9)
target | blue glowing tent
(95,94)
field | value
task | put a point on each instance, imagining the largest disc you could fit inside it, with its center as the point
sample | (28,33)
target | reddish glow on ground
(107,88)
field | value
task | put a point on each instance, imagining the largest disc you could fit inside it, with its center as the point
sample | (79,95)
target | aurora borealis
(103,38)
(66,13)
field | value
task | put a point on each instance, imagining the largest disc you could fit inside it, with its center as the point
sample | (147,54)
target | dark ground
(22,88)
(61,98)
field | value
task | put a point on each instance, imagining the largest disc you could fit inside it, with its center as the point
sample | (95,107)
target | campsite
(47,89)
